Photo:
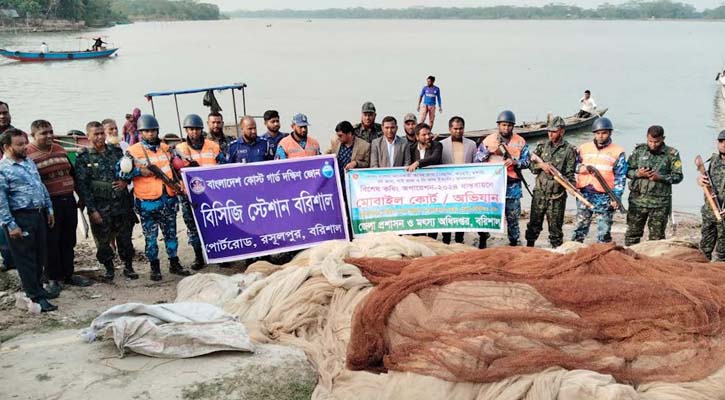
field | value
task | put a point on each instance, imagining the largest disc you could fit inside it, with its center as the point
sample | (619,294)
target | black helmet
(506,116)
(147,122)
(193,121)
(602,124)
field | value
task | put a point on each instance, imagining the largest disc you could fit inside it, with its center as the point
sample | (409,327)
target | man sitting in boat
(587,106)
(44,48)
(98,44)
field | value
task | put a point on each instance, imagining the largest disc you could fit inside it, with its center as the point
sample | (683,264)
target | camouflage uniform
(713,233)
(95,173)
(651,201)
(602,204)
(370,134)
(549,196)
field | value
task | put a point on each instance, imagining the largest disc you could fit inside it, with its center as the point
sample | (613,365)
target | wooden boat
(72,143)
(533,129)
(56,55)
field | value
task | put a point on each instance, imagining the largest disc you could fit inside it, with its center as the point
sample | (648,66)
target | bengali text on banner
(250,210)
(465,198)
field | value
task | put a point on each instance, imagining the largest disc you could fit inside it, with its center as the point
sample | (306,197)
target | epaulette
(640,145)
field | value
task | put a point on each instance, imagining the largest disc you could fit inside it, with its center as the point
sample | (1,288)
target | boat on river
(529,130)
(57,55)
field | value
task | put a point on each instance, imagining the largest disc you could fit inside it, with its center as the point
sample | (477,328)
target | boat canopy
(237,86)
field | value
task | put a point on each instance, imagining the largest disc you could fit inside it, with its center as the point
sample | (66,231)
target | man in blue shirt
(429,95)
(249,148)
(26,212)
(273,135)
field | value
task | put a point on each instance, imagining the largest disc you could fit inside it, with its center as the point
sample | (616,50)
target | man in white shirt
(44,48)
(587,106)
(388,150)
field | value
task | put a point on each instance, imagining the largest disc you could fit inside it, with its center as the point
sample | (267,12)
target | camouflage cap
(721,136)
(368,107)
(410,117)
(556,123)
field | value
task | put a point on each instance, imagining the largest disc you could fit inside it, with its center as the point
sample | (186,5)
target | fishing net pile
(431,322)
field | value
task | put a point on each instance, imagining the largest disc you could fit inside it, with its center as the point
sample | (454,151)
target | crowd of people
(131,176)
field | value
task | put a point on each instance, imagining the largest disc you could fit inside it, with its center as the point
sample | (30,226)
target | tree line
(659,9)
(108,11)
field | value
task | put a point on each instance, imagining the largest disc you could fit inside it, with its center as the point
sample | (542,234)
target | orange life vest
(603,160)
(151,187)
(514,146)
(206,156)
(294,150)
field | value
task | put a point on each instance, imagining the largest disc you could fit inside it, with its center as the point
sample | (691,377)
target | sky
(230,5)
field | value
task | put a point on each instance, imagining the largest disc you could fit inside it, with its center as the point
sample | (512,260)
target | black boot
(155,270)
(176,268)
(530,243)
(108,276)
(45,306)
(198,259)
(128,271)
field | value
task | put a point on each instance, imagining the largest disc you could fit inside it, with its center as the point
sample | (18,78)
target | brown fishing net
(485,315)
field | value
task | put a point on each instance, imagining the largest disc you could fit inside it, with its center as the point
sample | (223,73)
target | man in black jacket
(425,152)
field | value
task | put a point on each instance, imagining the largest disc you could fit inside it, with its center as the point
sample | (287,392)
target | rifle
(561,180)
(174,184)
(594,171)
(507,156)
(711,194)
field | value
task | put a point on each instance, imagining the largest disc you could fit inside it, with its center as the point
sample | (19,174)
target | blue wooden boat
(56,55)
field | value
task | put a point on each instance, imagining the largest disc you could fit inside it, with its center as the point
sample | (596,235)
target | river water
(646,72)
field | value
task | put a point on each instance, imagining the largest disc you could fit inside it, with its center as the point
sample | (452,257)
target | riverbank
(42,25)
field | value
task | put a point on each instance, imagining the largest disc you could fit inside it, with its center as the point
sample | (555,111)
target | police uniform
(156,204)
(95,173)
(650,201)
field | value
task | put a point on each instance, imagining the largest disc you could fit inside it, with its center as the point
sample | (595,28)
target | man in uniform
(58,177)
(215,121)
(273,135)
(611,162)
(156,201)
(488,151)
(26,212)
(368,130)
(712,231)
(549,196)
(196,152)
(298,143)
(249,148)
(108,202)
(653,168)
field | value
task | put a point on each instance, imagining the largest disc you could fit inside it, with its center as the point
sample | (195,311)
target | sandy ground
(79,306)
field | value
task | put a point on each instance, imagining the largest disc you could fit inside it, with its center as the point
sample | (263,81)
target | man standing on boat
(58,176)
(518,158)
(587,106)
(298,143)
(549,198)
(429,96)
(215,122)
(409,123)
(368,130)
(107,199)
(273,135)
(457,150)
(26,212)
(155,190)
(609,159)
(653,168)
(196,151)
(249,148)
